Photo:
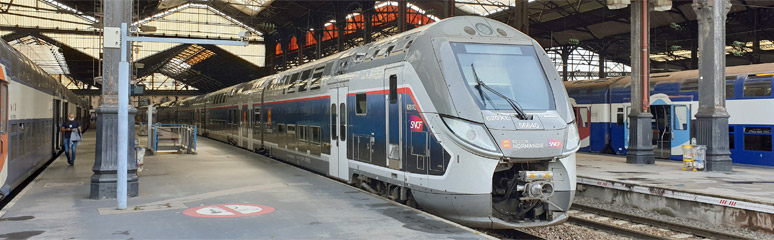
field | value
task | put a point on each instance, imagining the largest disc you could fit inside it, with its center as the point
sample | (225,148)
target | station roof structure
(285,33)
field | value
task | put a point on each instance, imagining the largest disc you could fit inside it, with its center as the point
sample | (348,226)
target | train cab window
(681,118)
(361,104)
(690,85)
(757,86)
(584,116)
(757,139)
(620,115)
(730,80)
(393,89)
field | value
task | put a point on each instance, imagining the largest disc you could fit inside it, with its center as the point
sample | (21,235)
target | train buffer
(172,138)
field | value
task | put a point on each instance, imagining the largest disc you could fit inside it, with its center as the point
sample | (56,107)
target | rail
(173,138)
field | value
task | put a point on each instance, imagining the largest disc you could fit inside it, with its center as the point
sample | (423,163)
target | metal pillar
(712,117)
(521,16)
(367,28)
(448,8)
(402,16)
(640,134)
(104,180)
(602,69)
(566,50)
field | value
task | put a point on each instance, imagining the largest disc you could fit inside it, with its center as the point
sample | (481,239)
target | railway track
(510,234)
(637,232)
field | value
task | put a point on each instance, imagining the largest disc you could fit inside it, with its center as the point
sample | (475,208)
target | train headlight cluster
(470,132)
(573,139)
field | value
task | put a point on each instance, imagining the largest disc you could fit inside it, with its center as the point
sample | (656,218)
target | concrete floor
(306,205)
(747,183)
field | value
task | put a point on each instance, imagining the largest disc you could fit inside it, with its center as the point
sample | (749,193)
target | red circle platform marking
(228,210)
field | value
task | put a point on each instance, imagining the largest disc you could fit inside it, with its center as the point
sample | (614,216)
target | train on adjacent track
(32,106)
(601,107)
(466,118)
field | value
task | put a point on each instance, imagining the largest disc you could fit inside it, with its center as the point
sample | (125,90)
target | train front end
(508,122)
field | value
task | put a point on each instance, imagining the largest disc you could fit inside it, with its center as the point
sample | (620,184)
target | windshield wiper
(519,113)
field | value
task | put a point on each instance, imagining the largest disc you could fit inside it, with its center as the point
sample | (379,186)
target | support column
(602,59)
(367,28)
(448,9)
(566,50)
(640,133)
(104,180)
(402,16)
(712,117)
(270,46)
(756,54)
(301,41)
(521,16)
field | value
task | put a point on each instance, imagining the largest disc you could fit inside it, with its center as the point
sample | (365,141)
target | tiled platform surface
(306,205)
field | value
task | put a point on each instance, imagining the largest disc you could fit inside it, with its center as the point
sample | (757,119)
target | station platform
(742,198)
(223,192)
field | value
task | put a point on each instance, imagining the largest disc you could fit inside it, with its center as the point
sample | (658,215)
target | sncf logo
(415,123)
(553,143)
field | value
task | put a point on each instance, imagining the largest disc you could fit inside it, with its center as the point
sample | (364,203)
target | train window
(731,137)
(362,104)
(584,116)
(291,128)
(302,133)
(393,89)
(280,128)
(257,117)
(343,118)
(681,118)
(389,50)
(620,117)
(317,77)
(293,79)
(314,133)
(757,139)
(757,87)
(730,86)
(690,85)
(304,80)
(333,122)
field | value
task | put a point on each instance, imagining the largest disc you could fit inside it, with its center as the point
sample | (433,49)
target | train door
(393,114)
(244,127)
(203,121)
(56,124)
(3,128)
(662,130)
(681,129)
(627,110)
(339,165)
(583,122)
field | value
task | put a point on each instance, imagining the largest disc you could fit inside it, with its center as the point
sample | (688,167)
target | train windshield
(511,70)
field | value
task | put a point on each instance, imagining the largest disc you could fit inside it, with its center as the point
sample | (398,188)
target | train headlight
(573,139)
(472,133)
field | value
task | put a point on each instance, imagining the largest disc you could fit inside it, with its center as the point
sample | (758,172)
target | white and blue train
(602,106)
(466,118)
(32,106)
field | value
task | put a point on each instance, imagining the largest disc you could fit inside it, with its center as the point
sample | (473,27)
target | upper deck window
(512,70)
(757,86)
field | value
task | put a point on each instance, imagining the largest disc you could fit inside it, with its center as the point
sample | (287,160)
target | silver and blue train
(602,106)
(466,118)
(32,106)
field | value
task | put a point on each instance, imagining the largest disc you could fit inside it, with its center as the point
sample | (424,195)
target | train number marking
(497,118)
(529,125)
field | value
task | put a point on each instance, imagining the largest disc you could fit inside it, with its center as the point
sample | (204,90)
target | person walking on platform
(72,136)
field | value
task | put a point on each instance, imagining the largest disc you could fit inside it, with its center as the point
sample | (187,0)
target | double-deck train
(602,106)
(32,106)
(466,118)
